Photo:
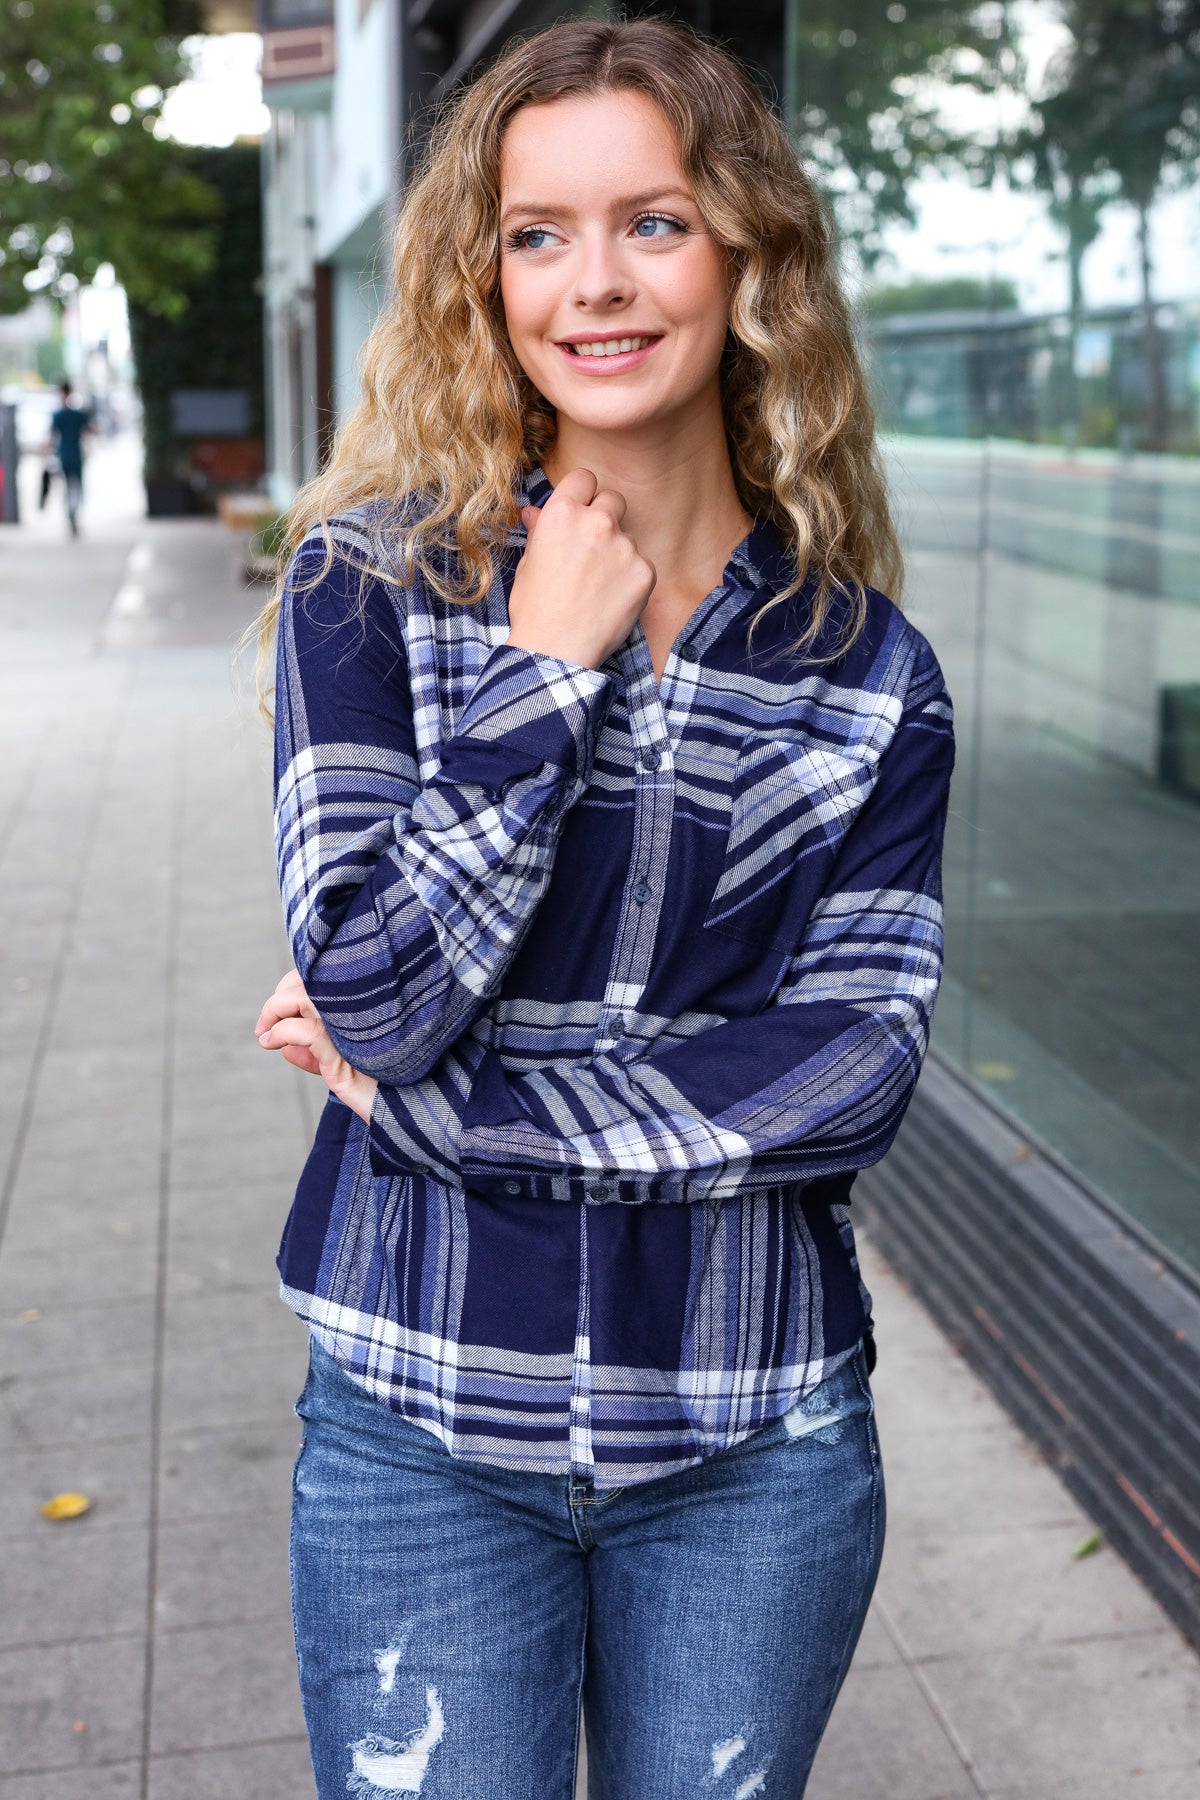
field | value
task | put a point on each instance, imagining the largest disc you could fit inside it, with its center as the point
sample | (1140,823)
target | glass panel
(1008,193)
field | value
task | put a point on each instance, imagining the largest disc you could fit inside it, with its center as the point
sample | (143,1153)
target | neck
(683,510)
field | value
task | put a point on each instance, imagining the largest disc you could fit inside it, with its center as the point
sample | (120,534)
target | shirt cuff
(526,710)
(393,1148)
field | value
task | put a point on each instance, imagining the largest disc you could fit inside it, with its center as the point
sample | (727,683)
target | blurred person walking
(67,426)
(610,794)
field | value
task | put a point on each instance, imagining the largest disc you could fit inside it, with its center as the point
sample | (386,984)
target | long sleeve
(814,1085)
(411,867)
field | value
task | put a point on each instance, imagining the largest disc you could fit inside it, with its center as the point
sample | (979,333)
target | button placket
(653,798)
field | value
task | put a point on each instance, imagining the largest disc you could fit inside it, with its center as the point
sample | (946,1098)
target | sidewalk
(148,1153)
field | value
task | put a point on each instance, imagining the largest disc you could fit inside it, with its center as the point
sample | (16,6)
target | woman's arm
(815,1085)
(407,893)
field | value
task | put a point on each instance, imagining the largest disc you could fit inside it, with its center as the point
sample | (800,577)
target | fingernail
(265,1038)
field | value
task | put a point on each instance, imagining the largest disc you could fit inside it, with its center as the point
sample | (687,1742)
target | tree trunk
(1077,243)
(1152,343)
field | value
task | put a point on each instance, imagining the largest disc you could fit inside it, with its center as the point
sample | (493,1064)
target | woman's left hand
(290,1022)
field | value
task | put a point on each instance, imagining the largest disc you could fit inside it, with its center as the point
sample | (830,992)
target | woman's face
(603,245)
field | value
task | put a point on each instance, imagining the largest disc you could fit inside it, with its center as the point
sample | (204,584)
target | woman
(610,803)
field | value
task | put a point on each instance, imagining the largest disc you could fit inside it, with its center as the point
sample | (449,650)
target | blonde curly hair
(448,417)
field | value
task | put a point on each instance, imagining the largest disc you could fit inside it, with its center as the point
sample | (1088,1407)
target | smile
(610,346)
(608,354)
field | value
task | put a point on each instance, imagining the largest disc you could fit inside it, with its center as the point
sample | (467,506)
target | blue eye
(653,220)
(524,239)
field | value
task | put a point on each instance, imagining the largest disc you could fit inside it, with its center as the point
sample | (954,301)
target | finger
(529,518)
(289,983)
(301,1059)
(279,1006)
(580,485)
(299,1030)
(608,500)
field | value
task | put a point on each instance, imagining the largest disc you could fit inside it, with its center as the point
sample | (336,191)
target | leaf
(65,1506)
(1088,1545)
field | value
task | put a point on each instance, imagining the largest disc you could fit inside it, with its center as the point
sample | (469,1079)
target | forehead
(586,146)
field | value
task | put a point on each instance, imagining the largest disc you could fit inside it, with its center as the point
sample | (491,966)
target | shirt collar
(760,564)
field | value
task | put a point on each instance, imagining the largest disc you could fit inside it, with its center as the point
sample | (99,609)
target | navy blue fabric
(645,972)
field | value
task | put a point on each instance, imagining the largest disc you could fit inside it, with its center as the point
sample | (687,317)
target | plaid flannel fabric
(645,973)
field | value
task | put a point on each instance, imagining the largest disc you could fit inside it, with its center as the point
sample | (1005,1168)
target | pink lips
(609,365)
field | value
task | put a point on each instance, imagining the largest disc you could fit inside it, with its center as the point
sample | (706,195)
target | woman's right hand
(581,585)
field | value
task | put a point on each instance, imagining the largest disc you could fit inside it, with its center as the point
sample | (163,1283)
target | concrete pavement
(148,1152)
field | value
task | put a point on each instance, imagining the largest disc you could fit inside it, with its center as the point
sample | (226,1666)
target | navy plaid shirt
(645,975)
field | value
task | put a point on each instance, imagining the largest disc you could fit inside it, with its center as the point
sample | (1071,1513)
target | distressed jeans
(450,1616)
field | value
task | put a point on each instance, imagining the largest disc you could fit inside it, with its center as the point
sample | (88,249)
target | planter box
(1179,739)
(168,497)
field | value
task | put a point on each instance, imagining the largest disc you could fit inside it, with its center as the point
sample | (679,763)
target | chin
(611,412)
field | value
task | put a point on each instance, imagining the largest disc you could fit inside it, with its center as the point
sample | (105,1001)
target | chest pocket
(793,803)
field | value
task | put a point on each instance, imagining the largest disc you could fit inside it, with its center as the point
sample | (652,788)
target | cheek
(698,296)
(525,303)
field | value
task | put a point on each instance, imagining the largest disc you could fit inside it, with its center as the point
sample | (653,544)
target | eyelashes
(519,239)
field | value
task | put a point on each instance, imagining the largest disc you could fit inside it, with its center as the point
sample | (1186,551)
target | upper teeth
(611,346)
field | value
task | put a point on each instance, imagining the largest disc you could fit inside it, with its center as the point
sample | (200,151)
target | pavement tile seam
(194,1627)
(128,1634)
(74,1768)
(263,1743)
(25,1645)
(58,1444)
(945,1723)
(1145,1634)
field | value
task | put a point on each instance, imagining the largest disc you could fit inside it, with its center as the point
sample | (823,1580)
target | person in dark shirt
(67,427)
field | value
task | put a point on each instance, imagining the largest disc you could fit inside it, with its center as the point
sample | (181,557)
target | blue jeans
(450,1616)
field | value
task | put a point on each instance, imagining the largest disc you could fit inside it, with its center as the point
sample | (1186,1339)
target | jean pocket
(792,804)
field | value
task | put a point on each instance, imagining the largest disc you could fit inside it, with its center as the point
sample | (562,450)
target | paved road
(147,1152)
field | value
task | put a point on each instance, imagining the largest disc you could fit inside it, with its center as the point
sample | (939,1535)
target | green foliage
(862,84)
(84,179)
(270,537)
(1122,114)
(955,293)
(215,341)
(1121,121)
(865,96)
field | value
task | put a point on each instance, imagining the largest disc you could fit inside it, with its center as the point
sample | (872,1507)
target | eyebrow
(536,209)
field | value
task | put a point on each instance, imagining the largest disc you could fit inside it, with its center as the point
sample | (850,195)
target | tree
(84,176)
(861,96)
(858,83)
(1123,120)
(217,341)
(951,293)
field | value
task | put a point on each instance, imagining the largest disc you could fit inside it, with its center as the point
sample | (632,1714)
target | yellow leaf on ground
(65,1506)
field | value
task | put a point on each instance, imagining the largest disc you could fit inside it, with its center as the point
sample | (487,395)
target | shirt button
(642,892)
(512,1187)
(420,1169)
(620,1025)
(599,1192)
(651,759)
(689,652)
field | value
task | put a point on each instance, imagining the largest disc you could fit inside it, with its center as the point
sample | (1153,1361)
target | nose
(603,282)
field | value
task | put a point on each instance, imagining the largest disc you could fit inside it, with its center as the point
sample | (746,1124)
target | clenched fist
(581,585)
